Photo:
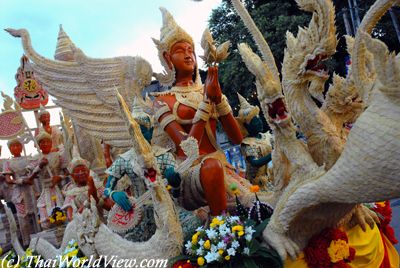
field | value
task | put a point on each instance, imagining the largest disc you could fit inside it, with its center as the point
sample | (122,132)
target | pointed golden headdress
(247,111)
(77,160)
(140,115)
(170,33)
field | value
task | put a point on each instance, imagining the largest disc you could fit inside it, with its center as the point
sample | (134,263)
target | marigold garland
(329,249)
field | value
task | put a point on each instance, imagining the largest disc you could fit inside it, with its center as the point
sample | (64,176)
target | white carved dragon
(286,235)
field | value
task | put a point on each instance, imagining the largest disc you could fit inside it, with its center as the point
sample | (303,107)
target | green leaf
(249,263)
(254,246)
(260,228)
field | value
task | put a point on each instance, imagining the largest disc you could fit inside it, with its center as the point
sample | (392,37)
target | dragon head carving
(305,53)
(387,65)
(268,88)
(343,100)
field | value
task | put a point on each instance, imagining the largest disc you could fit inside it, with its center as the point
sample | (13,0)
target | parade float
(171,194)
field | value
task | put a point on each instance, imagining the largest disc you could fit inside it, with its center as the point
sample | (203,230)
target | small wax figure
(83,186)
(56,135)
(127,164)
(256,146)
(189,109)
(51,195)
(22,190)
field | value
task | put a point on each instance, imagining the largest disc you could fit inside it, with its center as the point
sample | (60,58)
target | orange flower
(338,250)
(254,188)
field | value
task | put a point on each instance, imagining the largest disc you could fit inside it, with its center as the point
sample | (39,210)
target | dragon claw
(281,243)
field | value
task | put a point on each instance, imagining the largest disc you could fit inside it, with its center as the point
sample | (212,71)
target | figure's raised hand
(212,88)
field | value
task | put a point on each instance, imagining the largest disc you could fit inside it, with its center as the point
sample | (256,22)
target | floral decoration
(73,256)
(329,249)
(228,241)
(57,217)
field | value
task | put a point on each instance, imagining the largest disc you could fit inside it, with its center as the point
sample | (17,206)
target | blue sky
(102,29)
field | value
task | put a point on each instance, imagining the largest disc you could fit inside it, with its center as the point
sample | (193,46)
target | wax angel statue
(319,187)
(56,135)
(22,190)
(51,168)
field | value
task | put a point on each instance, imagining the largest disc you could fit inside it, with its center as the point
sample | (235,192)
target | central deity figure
(189,109)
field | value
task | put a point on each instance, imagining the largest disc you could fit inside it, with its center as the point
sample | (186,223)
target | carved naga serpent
(313,197)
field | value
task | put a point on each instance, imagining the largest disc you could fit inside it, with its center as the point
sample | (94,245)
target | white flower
(213,248)
(211,233)
(220,218)
(199,252)
(199,229)
(246,251)
(235,244)
(248,237)
(233,219)
(231,252)
(249,230)
(188,246)
(211,256)
(201,242)
(221,245)
(223,230)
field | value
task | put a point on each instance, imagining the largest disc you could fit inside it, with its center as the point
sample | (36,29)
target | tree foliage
(273,18)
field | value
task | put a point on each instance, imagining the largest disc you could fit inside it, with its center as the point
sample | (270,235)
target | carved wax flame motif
(29,92)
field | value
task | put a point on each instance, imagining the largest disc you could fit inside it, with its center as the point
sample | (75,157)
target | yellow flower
(237,228)
(51,220)
(227,257)
(195,238)
(240,233)
(338,250)
(236,192)
(220,252)
(169,187)
(28,252)
(207,244)
(200,261)
(215,222)
(53,198)
(381,204)
(71,254)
